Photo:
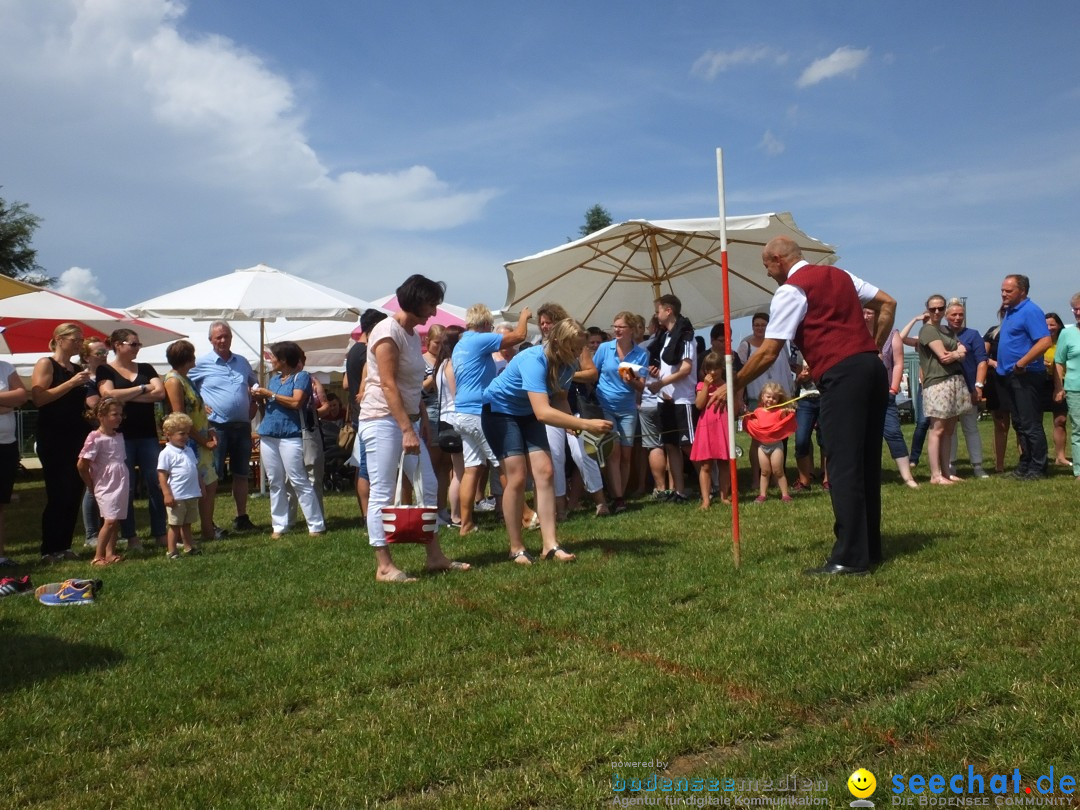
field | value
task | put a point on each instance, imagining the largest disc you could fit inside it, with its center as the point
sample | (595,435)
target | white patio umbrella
(257,293)
(629,265)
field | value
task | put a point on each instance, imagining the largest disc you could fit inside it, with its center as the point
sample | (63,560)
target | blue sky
(937,145)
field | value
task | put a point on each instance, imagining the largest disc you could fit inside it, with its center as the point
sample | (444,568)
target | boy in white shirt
(181,486)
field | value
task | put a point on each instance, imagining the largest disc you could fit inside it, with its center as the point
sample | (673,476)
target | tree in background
(17,258)
(596,218)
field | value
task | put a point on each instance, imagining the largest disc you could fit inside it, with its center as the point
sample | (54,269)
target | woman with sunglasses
(945,392)
(59,393)
(138,387)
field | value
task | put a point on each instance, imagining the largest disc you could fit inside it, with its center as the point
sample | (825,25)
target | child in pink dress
(103,468)
(711,433)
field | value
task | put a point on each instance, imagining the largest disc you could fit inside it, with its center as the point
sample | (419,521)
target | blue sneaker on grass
(69,592)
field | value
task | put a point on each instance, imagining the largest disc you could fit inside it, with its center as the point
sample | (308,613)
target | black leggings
(63,493)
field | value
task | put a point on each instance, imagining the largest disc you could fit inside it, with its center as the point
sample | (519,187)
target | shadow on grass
(901,545)
(608,547)
(32,659)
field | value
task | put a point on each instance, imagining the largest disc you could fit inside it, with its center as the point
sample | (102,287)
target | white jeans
(283,460)
(590,470)
(382,444)
(969,422)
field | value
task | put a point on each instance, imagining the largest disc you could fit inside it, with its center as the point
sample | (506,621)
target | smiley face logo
(861,783)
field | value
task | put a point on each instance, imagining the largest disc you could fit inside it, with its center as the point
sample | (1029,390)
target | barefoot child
(711,434)
(770,425)
(181,484)
(103,468)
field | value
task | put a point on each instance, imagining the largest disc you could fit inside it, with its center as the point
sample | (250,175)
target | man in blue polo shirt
(224,381)
(1023,340)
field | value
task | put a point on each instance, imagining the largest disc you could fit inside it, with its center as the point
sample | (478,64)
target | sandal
(454,565)
(400,576)
(99,561)
(522,555)
(550,555)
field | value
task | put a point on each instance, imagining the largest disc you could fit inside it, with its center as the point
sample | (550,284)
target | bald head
(778,256)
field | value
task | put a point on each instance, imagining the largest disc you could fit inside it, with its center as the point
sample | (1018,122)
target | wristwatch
(978,385)
(142,388)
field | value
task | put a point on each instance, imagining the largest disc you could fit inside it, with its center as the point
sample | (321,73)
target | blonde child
(711,434)
(103,468)
(770,426)
(181,484)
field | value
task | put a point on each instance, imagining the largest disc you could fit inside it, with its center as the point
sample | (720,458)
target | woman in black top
(58,389)
(138,386)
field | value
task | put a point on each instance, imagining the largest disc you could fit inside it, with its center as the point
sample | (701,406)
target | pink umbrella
(445,315)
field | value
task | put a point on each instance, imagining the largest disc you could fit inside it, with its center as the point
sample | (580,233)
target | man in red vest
(820,309)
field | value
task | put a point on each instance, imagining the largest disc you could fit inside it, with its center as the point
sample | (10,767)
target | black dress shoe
(834,568)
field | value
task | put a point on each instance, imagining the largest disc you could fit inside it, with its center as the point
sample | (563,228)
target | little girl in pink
(711,433)
(103,468)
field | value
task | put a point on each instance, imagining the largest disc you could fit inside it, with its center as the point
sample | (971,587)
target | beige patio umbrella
(629,265)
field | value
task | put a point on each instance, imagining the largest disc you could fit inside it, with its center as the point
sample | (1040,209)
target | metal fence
(26,421)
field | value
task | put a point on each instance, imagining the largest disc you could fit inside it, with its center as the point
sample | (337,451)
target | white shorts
(474,447)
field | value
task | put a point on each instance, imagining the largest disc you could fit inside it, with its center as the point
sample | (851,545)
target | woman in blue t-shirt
(474,369)
(529,394)
(618,394)
(281,443)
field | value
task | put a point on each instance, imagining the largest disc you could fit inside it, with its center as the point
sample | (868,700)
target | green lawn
(279,674)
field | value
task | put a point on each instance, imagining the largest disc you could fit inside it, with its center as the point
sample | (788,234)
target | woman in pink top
(392,420)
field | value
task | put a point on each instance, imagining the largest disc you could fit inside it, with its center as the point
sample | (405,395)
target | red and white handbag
(409,524)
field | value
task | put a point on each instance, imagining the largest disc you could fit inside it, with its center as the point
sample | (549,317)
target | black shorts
(676,423)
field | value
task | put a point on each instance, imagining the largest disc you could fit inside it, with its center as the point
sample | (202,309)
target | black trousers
(854,396)
(63,490)
(1025,403)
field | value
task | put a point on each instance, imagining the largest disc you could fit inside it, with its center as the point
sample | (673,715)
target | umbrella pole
(729,363)
(262,382)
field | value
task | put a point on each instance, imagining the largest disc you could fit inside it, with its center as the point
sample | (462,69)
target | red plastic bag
(410,524)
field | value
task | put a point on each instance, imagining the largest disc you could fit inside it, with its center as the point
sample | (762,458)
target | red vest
(833,329)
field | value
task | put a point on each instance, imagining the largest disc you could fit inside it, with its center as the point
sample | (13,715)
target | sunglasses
(132,344)
(102,354)
(935,309)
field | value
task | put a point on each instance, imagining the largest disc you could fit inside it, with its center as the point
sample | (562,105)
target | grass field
(279,674)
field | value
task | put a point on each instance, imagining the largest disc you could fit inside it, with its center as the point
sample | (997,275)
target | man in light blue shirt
(224,381)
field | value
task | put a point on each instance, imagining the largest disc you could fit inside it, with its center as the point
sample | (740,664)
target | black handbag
(448,437)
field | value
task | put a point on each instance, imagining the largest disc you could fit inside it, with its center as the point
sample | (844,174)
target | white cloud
(81,283)
(711,63)
(234,122)
(841,61)
(770,144)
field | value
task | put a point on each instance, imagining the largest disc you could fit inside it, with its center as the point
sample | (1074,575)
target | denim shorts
(510,435)
(649,419)
(234,441)
(625,426)
(358,459)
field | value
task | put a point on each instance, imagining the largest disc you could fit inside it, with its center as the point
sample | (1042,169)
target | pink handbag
(409,524)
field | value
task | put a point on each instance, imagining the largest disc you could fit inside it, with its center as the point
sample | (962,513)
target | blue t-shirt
(224,386)
(1022,326)
(527,371)
(976,353)
(614,395)
(281,422)
(474,368)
